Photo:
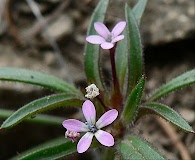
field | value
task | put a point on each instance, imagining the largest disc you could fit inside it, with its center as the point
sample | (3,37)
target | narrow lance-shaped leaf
(135,148)
(166,113)
(121,49)
(183,80)
(40,119)
(36,78)
(54,149)
(121,60)
(138,10)
(41,105)
(92,68)
(135,50)
(133,101)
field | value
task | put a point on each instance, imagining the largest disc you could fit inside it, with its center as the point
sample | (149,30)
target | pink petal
(118,38)
(89,112)
(107,45)
(84,142)
(95,39)
(75,125)
(107,118)
(101,29)
(104,138)
(118,28)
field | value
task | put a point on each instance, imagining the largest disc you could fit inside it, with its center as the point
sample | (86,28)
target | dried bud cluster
(92,91)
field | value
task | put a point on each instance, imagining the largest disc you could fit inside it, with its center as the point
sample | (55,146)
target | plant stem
(116,98)
(113,65)
(102,103)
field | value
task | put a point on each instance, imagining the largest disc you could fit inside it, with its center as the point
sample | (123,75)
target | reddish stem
(116,98)
(102,103)
(113,65)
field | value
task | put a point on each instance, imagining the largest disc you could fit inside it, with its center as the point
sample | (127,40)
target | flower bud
(72,135)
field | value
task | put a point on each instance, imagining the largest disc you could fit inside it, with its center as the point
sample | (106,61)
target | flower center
(109,38)
(91,128)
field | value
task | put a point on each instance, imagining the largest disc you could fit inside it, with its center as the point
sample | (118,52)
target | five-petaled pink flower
(106,38)
(92,127)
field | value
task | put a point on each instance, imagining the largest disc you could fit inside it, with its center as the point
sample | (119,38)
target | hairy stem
(116,98)
(102,103)
(113,65)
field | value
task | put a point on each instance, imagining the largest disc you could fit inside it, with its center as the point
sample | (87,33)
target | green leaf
(133,101)
(40,105)
(91,61)
(121,60)
(166,113)
(54,149)
(134,148)
(121,49)
(36,78)
(40,119)
(135,50)
(138,10)
(181,81)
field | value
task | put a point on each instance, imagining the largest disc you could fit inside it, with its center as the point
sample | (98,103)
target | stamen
(91,128)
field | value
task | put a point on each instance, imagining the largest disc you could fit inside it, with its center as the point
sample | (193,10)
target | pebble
(63,26)
(187,114)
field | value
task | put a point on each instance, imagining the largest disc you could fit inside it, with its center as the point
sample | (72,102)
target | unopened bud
(72,135)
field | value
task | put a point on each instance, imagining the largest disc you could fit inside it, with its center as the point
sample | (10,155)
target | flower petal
(75,125)
(101,29)
(107,45)
(89,112)
(104,138)
(118,38)
(107,118)
(84,142)
(94,39)
(118,28)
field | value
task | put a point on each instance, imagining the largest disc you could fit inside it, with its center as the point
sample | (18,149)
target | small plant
(120,105)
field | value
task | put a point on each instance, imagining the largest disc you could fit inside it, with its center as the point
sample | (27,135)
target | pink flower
(92,127)
(106,38)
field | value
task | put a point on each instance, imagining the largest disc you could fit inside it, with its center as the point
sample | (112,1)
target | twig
(10,22)
(36,28)
(2,6)
(170,131)
(44,25)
